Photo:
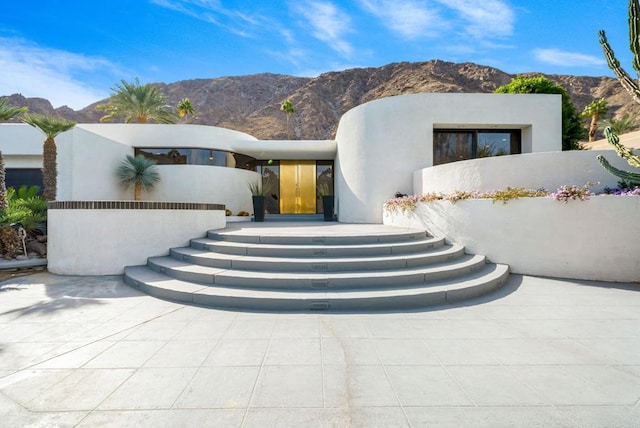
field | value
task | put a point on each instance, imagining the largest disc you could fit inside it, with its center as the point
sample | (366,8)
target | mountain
(252,103)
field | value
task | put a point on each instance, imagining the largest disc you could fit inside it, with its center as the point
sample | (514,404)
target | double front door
(297,187)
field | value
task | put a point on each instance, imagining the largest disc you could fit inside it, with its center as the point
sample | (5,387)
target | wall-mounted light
(211,155)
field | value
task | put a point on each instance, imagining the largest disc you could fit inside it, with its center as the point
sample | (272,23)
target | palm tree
(6,112)
(287,107)
(185,108)
(51,127)
(139,171)
(594,110)
(626,123)
(137,103)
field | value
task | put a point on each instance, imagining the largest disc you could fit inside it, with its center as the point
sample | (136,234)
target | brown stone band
(132,205)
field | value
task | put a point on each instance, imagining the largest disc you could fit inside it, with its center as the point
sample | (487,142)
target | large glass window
(270,171)
(16,177)
(197,156)
(462,144)
(324,182)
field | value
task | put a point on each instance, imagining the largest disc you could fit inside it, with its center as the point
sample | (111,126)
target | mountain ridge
(251,103)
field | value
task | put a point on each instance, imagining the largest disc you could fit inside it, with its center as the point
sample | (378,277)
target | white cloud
(53,74)
(567,59)
(486,19)
(328,24)
(409,18)
(212,12)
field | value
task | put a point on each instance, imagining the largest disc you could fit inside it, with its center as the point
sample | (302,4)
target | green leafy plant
(572,130)
(139,172)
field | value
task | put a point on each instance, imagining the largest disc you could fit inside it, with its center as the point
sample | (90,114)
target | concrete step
(273,237)
(317,250)
(392,297)
(316,264)
(255,279)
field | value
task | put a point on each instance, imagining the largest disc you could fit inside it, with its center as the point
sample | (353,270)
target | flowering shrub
(623,192)
(563,194)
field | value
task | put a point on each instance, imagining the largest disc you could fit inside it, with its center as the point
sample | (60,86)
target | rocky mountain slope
(252,103)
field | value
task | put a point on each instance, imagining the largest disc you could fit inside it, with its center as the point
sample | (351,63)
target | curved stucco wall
(382,143)
(595,239)
(87,161)
(532,171)
(103,242)
(208,184)
(155,135)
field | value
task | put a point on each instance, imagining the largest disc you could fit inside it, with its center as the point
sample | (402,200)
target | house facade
(378,149)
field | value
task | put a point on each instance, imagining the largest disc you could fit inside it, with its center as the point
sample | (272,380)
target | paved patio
(90,351)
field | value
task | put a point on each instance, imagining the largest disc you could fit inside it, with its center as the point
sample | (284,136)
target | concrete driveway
(90,351)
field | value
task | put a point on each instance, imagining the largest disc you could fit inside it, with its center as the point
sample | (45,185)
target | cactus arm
(633,178)
(625,79)
(623,152)
(634,33)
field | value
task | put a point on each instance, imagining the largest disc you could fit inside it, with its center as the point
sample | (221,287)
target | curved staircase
(370,267)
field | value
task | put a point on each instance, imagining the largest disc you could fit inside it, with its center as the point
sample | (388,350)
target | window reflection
(456,145)
(196,156)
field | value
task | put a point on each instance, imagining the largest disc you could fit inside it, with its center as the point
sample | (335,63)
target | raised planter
(595,239)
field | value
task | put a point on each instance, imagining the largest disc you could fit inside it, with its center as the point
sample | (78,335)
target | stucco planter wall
(103,241)
(597,239)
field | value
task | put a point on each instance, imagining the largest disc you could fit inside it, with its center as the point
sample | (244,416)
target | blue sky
(73,51)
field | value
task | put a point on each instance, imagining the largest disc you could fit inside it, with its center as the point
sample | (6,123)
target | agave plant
(139,172)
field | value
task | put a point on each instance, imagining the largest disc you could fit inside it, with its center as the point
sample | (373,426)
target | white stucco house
(408,144)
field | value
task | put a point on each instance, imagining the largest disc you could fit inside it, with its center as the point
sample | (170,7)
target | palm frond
(137,103)
(138,170)
(51,126)
(8,112)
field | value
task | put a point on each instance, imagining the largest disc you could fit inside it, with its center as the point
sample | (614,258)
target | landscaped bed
(570,233)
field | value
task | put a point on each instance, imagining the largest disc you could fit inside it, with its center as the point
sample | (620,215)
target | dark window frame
(515,139)
(212,157)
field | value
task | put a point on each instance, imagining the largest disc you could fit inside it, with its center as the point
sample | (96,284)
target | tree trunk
(594,127)
(137,191)
(3,185)
(49,169)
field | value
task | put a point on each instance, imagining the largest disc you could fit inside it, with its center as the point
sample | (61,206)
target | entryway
(295,187)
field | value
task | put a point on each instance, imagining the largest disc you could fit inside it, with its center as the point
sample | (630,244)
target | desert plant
(624,124)
(185,108)
(6,112)
(288,109)
(137,103)
(625,153)
(632,86)
(139,172)
(256,189)
(51,126)
(593,111)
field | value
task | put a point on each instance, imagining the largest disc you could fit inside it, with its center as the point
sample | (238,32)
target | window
(462,144)
(196,156)
(16,177)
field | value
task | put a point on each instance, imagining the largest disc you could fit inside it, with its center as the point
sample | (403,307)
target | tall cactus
(624,152)
(632,86)
(627,82)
